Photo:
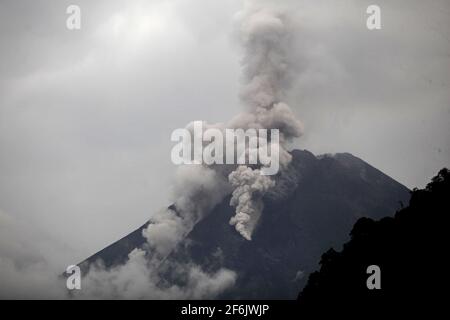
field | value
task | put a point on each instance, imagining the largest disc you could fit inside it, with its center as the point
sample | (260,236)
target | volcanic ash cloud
(265,34)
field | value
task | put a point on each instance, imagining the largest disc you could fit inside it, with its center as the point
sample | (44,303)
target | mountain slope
(407,248)
(320,199)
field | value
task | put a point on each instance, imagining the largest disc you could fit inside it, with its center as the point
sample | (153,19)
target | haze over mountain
(322,197)
(87,116)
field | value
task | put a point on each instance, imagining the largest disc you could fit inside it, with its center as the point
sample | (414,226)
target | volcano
(322,197)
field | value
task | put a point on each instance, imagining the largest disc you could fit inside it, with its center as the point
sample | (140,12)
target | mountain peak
(317,201)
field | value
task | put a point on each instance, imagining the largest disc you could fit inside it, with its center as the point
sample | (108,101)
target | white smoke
(197,190)
(139,278)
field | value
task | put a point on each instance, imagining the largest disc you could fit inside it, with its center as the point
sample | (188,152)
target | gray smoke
(197,190)
(140,278)
(264,33)
(249,188)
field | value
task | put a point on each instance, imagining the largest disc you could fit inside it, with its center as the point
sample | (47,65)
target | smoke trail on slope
(265,35)
(197,190)
(249,187)
(140,278)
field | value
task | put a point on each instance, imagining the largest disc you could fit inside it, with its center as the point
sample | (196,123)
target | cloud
(85,117)
(138,278)
(27,270)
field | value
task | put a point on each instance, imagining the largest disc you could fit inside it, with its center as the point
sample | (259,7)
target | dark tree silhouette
(409,249)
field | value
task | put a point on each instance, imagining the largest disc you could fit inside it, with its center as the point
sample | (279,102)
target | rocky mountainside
(322,198)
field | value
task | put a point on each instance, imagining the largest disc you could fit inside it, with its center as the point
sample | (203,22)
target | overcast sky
(86,115)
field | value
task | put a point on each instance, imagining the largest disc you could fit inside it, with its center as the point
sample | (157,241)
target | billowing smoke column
(265,35)
(249,187)
(197,190)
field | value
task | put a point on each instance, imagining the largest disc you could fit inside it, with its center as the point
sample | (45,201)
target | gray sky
(86,116)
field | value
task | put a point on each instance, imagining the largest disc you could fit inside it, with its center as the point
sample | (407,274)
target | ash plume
(196,191)
(264,33)
(249,188)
